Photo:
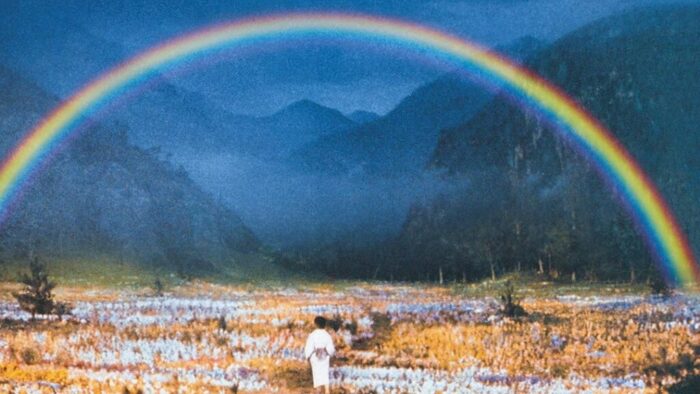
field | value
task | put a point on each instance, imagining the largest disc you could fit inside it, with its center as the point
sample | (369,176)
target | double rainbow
(650,210)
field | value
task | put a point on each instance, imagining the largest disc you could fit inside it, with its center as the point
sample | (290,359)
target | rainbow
(667,241)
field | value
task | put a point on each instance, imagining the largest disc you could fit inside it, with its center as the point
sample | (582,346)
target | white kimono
(320,366)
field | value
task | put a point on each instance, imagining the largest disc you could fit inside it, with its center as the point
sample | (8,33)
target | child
(318,350)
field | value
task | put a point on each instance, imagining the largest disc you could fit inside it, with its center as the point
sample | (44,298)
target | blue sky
(65,44)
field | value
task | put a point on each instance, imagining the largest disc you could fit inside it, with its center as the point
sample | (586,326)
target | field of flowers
(390,339)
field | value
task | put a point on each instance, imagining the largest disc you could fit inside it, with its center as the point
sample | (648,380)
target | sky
(63,45)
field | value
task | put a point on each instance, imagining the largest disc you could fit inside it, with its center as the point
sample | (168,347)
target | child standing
(318,350)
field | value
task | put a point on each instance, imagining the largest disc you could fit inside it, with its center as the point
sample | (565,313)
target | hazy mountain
(403,140)
(19,93)
(159,113)
(635,73)
(362,117)
(185,123)
(103,197)
(275,136)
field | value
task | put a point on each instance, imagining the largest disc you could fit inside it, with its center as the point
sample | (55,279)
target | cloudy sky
(63,45)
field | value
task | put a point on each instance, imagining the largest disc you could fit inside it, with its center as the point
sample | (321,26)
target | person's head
(320,321)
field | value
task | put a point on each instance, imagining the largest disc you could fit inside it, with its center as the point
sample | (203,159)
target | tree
(487,239)
(61,309)
(158,287)
(510,306)
(36,297)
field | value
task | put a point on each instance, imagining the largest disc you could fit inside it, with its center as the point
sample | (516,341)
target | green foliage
(158,287)
(659,286)
(381,329)
(221,323)
(510,305)
(35,296)
(351,326)
(30,355)
(336,322)
(689,385)
(62,308)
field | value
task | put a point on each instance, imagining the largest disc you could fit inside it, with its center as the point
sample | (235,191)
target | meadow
(391,338)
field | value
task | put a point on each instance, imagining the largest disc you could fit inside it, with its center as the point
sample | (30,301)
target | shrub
(221,323)
(36,297)
(510,306)
(222,341)
(30,355)
(158,287)
(659,286)
(689,385)
(62,308)
(352,326)
(292,374)
(132,390)
(336,322)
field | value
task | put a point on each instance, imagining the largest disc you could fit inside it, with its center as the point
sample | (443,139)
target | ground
(391,338)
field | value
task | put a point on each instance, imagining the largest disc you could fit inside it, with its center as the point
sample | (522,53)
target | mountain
(158,113)
(634,72)
(402,141)
(104,198)
(362,117)
(276,136)
(311,118)
(22,105)
(188,125)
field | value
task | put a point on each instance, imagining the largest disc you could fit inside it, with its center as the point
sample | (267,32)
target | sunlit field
(390,339)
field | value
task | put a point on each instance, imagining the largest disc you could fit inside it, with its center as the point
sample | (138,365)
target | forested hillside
(533,203)
(103,198)
(533,192)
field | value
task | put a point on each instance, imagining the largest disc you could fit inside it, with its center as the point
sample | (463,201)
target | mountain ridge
(551,201)
(102,196)
(409,132)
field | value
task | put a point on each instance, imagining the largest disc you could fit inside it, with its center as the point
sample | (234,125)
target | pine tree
(36,297)
(158,287)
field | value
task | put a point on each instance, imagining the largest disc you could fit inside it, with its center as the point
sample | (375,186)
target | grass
(534,286)
(257,271)
(89,272)
(111,273)
(556,340)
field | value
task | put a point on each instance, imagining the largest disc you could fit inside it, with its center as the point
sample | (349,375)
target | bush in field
(291,374)
(381,326)
(689,385)
(35,296)
(510,306)
(132,390)
(659,286)
(351,326)
(62,308)
(30,355)
(221,323)
(158,287)
(336,322)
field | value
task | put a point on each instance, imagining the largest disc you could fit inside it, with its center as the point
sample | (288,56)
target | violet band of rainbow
(658,224)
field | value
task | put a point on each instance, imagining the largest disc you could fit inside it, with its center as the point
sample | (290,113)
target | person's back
(318,350)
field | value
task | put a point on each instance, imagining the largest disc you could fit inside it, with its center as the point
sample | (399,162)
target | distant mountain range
(402,141)
(299,176)
(104,198)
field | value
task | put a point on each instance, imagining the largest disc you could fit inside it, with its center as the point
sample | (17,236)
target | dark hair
(320,321)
